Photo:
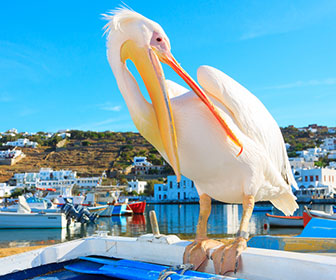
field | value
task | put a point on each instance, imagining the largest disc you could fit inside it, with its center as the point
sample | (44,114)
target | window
(316,178)
(178,185)
(178,195)
(306,178)
(159,196)
(192,184)
(311,178)
(324,178)
(165,196)
(159,188)
(170,184)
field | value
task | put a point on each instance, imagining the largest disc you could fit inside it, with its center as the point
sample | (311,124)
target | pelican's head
(132,36)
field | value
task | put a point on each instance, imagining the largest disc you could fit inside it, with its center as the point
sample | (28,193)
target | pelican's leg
(226,258)
(196,252)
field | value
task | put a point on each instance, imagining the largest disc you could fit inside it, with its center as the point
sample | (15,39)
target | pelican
(218,134)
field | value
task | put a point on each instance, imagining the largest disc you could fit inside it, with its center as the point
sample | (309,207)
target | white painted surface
(32,220)
(257,264)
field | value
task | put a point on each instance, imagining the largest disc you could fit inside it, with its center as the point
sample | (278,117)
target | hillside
(90,153)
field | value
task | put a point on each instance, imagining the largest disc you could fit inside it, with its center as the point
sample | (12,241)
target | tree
(149,189)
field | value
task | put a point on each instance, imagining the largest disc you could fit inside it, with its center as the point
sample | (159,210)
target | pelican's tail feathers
(286,202)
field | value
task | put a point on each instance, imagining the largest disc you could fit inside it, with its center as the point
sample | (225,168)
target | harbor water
(179,219)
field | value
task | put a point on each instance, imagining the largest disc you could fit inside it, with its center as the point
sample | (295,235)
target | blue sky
(54,73)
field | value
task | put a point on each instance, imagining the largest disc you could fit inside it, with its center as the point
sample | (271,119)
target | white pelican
(220,136)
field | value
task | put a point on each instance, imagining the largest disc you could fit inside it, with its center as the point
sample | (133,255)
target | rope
(164,274)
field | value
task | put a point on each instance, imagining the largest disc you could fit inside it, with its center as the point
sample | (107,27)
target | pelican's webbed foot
(197,253)
(227,258)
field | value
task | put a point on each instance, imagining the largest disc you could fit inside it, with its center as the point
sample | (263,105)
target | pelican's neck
(135,101)
(141,111)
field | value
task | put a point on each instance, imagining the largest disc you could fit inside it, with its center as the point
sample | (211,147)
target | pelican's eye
(158,39)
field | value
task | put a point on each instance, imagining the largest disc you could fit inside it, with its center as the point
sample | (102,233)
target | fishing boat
(150,256)
(32,220)
(319,235)
(284,221)
(308,214)
(138,207)
(23,218)
(36,204)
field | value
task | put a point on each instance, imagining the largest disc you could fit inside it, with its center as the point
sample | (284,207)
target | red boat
(138,207)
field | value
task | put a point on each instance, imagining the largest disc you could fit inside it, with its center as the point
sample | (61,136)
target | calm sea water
(173,219)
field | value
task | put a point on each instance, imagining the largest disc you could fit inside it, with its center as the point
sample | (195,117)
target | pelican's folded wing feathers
(251,116)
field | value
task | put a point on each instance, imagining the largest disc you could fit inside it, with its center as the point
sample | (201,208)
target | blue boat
(319,235)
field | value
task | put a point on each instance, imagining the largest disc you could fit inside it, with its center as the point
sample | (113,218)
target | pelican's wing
(175,89)
(251,116)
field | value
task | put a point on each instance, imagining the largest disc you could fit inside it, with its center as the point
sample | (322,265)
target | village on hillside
(142,172)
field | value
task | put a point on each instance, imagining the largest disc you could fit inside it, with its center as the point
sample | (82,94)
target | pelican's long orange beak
(149,67)
(171,61)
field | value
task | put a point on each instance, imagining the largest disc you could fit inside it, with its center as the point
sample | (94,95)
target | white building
(300,163)
(317,181)
(64,135)
(49,178)
(22,142)
(332,154)
(89,182)
(332,165)
(329,144)
(10,154)
(185,190)
(312,154)
(138,186)
(141,161)
(13,130)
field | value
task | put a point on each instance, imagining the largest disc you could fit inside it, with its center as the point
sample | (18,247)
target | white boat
(322,214)
(37,205)
(32,220)
(23,218)
(257,264)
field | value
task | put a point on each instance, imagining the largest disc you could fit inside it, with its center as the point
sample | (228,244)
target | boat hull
(138,207)
(283,221)
(32,220)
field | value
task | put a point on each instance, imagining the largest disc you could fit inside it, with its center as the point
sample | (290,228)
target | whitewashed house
(7,154)
(300,163)
(312,154)
(22,142)
(332,154)
(329,144)
(185,190)
(141,161)
(317,181)
(5,191)
(138,186)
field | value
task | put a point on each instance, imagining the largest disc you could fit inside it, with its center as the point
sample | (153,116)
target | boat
(308,214)
(32,220)
(23,218)
(138,207)
(319,235)
(36,204)
(284,221)
(263,208)
(151,255)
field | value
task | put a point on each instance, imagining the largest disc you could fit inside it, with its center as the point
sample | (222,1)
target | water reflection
(173,219)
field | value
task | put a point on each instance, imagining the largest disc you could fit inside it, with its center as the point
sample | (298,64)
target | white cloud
(110,107)
(297,84)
